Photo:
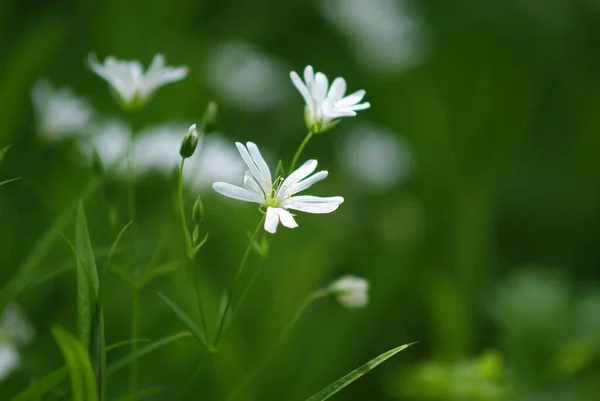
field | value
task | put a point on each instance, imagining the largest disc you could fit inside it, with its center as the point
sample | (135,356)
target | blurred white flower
(157,148)
(350,291)
(247,77)
(59,112)
(110,140)
(131,83)
(15,331)
(215,160)
(9,359)
(384,34)
(325,104)
(277,197)
(375,157)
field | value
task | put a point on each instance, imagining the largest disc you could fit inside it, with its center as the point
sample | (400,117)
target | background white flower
(15,332)
(130,81)
(350,291)
(374,156)
(59,112)
(325,103)
(156,148)
(277,197)
(110,140)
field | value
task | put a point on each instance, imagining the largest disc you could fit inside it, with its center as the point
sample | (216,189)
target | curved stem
(299,151)
(232,288)
(190,249)
(280,340)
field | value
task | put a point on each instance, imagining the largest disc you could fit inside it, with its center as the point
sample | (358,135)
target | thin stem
(299,151)
(233,286)
(190,251)
(278,343)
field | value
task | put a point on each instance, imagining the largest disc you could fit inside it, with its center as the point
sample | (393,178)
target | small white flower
(59,112)
(9,359)
(157,148)
(324,104)
(110,140)
(277,197)
(130,82)
(15,332)
(350,291)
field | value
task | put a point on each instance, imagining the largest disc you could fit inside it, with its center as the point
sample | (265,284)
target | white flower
(350,291)
(157,148)
(277,197)
(326,104)
(15,331)
(59,112)
(128,79)
(110,140)
(9,359)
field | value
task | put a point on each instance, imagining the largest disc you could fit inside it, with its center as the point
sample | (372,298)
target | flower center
(273,202)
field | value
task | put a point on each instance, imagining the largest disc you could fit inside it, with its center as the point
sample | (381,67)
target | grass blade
(40,387)
(83,384)
(126,360)
(355,374)
(114,247)
(3,151)
(186,320)
(9,181)
(158,271)
(126,342)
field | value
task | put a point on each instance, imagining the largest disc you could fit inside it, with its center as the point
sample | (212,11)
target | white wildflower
(131,83)
(110,140)
(277,197)
(15,332)
(9,359)
(59,112)
(350,291)
(325,104)
(157,148)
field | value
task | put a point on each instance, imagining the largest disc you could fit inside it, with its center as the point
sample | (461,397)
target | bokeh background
(472,192)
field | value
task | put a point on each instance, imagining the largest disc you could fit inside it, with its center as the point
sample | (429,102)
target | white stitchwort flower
(350,291)
(128,79)
(277,197)
(325,104)
(59,112)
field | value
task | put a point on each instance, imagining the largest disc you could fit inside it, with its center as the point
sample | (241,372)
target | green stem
(299,151)
(190,249)
(280,340)
(233,286)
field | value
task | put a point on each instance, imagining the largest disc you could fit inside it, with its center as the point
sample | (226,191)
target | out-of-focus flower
(110,140)
(215,160)
(350,291)
(384,34)
(130,82)
(15,332)
(375,157)
(157,148)
(247,77)
(277,196)
(324,104)
(59,112)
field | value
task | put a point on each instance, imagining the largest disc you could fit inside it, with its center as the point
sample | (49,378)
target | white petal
(309,78)
(272,220)
(337,90)
(260,162)
(320,90)
(361,106)
(303,171)
(313,204)
(250,183)
(286,218)
(304,91)
(235,192)
(308,182)
(351,99)
(250,163)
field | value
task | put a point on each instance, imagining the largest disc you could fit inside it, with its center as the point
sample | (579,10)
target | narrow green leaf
(135,355)
(158,271)
(3,151)
(114,247)
(9,181)
(41,386)
(197,248)
(355,374)
(186,320)
(83,245)
(81,374)
(124,343)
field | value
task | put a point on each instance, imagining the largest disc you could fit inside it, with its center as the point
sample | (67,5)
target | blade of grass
(338,385)
(40,387)
(158,271)
(81,374)
(186,320)
(134,356)
(9,181)
(124,343)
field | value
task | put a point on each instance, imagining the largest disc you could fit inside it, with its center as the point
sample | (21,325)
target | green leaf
(186,320)
(135,355)
(83,384)
(9,181)
(41,386)
(3,151)
(197,248)
(355,374)
(126,342)
(158,271)
(114,247)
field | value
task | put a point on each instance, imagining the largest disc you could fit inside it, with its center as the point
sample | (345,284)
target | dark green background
(491,244)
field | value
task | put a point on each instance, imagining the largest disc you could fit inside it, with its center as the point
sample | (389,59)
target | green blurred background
(483,248)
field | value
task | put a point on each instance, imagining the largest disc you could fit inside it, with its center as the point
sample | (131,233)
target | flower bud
(189,143)
(209,119)
(198,211)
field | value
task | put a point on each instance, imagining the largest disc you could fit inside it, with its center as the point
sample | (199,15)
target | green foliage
(198,333)
(42,386)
